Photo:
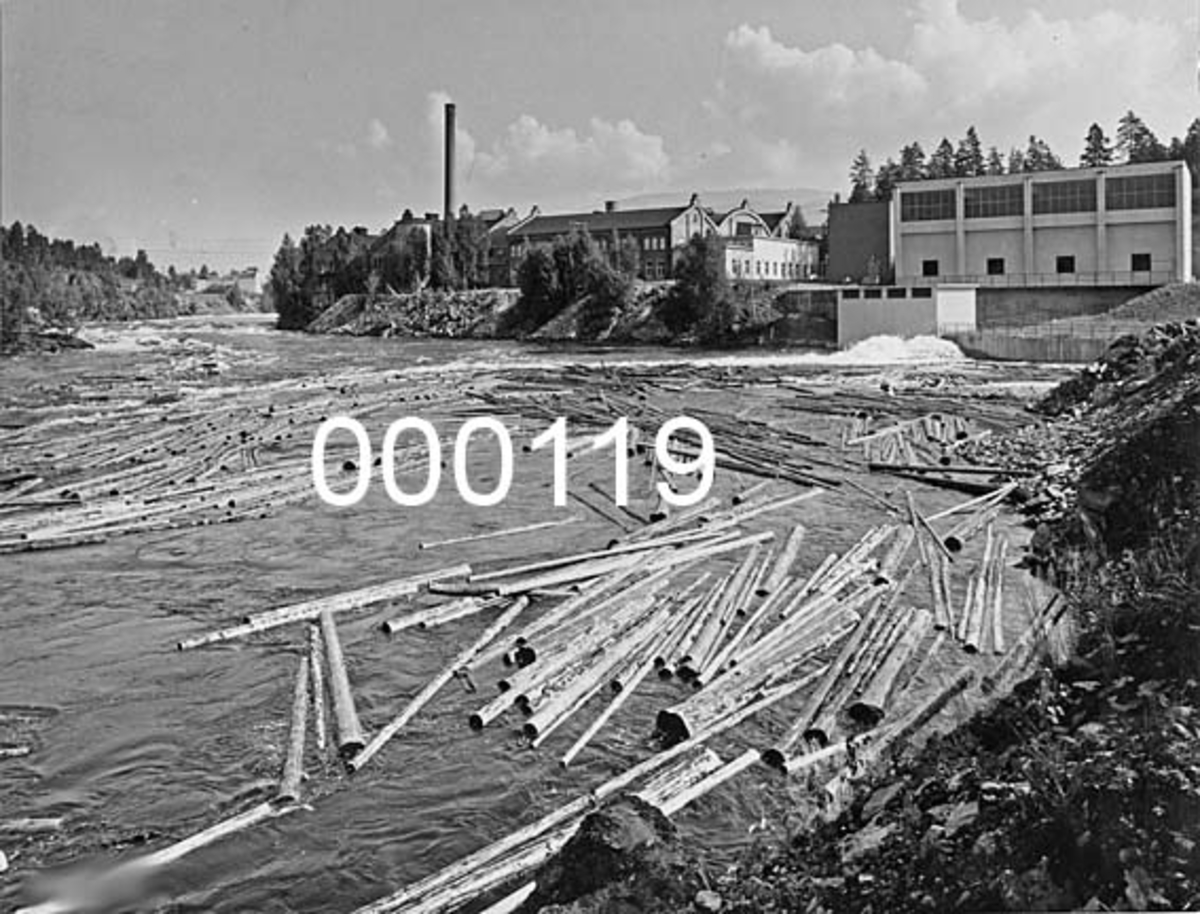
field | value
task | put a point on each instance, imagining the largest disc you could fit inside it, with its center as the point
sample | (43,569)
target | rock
(866,840)
(708,900)
(878,801)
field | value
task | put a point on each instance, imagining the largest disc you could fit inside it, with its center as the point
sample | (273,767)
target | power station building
(1127,225)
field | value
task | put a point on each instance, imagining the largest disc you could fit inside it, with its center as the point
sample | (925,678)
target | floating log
(746,494)
(510,531)
(293,766)
(311,609)
(987,500)
(997,604)
(776,755)
(966,469)
(580,557)
(349,730)
(317,671)
(15,751)
(140,867)
(440,614)
(707,783)
(423,697)
(31,825)
(871,706)
(785,561)
(669,782)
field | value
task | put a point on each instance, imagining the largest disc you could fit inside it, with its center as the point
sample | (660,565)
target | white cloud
(607,157)
(783,106)
(377,134)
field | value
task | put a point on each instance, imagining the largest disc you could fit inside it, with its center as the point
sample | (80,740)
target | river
(134,741)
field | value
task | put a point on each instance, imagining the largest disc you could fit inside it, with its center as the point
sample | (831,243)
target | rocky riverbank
(1080,789)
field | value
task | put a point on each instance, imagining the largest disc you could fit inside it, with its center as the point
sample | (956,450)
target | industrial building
(756,245)
(1127,225)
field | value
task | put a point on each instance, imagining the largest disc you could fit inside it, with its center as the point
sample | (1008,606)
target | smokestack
(449,202)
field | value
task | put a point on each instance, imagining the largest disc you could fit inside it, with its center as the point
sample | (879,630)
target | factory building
(1117,226)
(756,245)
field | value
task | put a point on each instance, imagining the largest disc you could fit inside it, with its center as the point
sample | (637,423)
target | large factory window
(1140,192)
(985,202)
(1139,263)
(995,266)
(929,268)
(1064,197)
(1064,263)
(923,205)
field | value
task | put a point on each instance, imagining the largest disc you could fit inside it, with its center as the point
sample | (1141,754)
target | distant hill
(811,200)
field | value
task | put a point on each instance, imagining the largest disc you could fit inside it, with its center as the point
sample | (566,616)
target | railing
(1043,280)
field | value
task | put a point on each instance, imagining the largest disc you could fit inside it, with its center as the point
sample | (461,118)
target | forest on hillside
(1135,142)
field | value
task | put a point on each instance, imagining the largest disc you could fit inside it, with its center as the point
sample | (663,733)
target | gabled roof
(606,221)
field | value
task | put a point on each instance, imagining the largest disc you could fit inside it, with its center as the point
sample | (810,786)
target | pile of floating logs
(725,601)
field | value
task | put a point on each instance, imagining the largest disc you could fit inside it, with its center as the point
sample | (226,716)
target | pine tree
(912,162)
(968,158)
(1039,156)
(886,179)
(941,163)
(1097,150)
(862,178)
(1136,142)
(995,162)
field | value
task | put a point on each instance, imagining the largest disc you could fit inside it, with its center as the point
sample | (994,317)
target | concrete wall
(1002,238)
(929,244)
(998,307)
(1078,241)
(861,318)
(858,232)
(992,345)
(1155,239)
(955,306)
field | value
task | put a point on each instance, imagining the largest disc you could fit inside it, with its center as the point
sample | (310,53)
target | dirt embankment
(1081,789)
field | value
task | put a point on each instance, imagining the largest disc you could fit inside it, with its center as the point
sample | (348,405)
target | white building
(1121,225)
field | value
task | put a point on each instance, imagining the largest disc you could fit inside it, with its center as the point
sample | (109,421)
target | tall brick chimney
(448,207)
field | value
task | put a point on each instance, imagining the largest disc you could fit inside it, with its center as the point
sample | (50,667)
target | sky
(202,130)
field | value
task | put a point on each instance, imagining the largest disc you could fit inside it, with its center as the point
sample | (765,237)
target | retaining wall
(986,344)
(995,307)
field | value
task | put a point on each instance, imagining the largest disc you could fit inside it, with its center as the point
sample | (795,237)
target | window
(897,292)
(995,266)
(850,293)
(922,292)
(1139,263)
(1141,192)
(1064,263)
(1064,197)
(929,268)
(984,202)
(923,205)
(872,293)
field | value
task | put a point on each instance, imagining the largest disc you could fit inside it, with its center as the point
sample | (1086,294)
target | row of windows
(1064,263)
(1064,197)
(1141,192)
(890,292)
(655,243)
(987,202)
(766,268)
(1138,192)
(923,205)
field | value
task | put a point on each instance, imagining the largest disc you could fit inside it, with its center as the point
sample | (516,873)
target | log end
(819,735)
(865,712)
(672,726)
(953,544)
(475,721)
(775,758)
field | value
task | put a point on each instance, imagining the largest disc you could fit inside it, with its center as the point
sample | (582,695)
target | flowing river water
(135,743)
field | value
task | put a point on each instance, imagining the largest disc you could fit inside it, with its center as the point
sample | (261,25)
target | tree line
(309,276)
(54,282)
(1135,142)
